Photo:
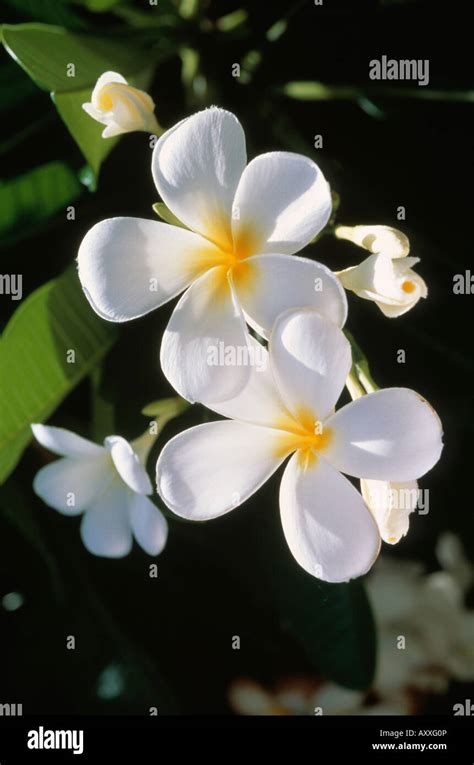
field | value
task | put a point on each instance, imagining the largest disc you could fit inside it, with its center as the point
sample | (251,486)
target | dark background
(172,635)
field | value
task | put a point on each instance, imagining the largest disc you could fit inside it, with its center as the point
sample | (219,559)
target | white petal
(372,279)
(208,470)
(128,465)
(103,117)
(149,525)
(377,239)
(281,203)
(275,283)
(105,527)
(329,530)
(70,484)
(197,165)
(64,442)
(259,402)
(391,505)
(310,360)
(129,266)
(204,339)
(389,435)
(105,79)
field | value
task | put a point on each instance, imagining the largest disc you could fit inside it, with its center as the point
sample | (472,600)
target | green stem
(360,380)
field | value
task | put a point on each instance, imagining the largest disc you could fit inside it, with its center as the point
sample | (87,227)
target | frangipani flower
(108,484)
(386,276)
(236,261)
(121,107)
(391,504)
(390,435)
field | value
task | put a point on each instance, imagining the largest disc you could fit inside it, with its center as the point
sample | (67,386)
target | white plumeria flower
(121,107)
(286,409)
(237,261)
(391,504)
(385,277)
(108,484)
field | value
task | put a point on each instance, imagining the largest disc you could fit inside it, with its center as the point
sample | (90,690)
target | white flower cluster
(234,259)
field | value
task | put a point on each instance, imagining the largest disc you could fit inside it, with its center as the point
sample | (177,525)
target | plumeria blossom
(288,409)
(108,485)
(120,107)
(235,259)
(386,276)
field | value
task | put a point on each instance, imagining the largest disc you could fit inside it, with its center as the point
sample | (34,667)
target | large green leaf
(333,622)
(45,53)
(35,375)
(35,196)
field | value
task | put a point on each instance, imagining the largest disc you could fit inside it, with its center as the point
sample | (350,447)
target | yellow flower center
(408,286)
(305,434)
(231,257)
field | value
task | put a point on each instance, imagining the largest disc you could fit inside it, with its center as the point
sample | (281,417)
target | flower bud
(120,107)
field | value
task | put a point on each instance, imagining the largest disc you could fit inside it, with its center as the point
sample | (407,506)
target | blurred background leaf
(34,197)
(55,319)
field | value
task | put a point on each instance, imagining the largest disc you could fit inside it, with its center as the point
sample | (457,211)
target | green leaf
(36,375)
(100,6)
(54,11)
(46,52)
(86,132)
(165,214)
(332,622)
(34,197)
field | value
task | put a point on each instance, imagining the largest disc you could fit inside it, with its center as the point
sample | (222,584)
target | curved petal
(64,442)
(149,525)
(259,402)
(105,527)
(281,203)
(329,530)
(105,79)
(128,465)
(276,283)
(376,239)
(310,360)
(196,166)
(389,435)
(69,485)
(391,505)
(205,344)
(130,266)
(208,470)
